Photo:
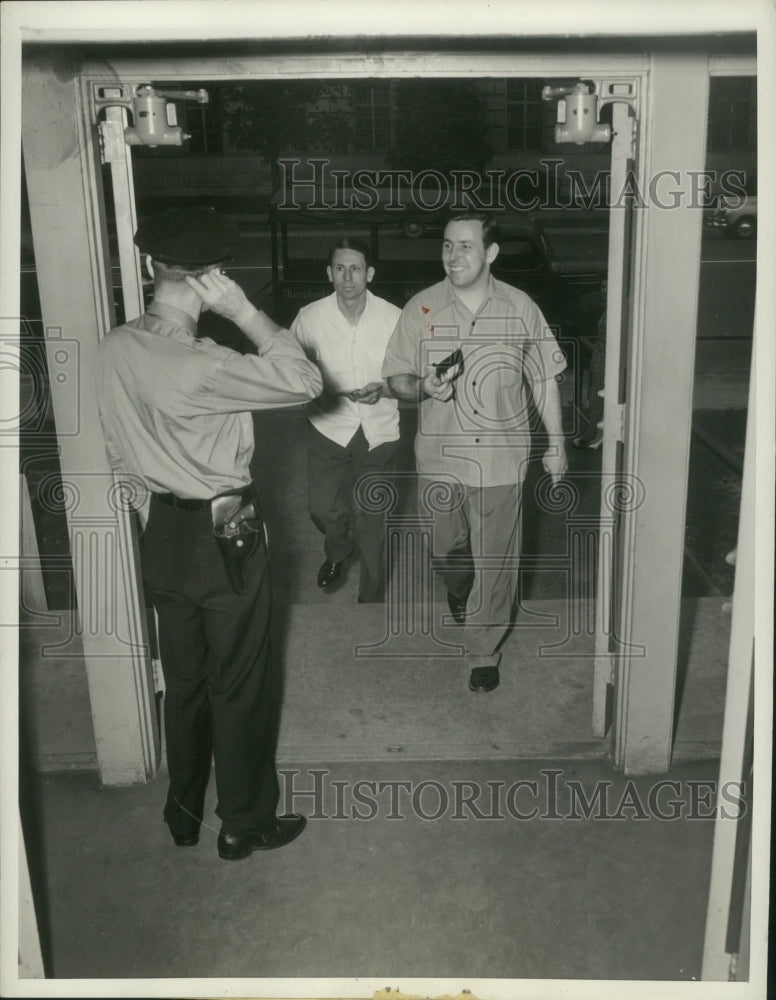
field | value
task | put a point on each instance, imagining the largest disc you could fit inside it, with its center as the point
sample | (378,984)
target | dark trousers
(332,473)
(222,687)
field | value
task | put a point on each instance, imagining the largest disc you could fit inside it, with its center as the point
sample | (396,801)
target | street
(727,284)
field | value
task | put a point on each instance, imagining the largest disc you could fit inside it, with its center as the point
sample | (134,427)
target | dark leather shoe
(328,574)
(483,679)
(185,839)
(284,829)
(457,608)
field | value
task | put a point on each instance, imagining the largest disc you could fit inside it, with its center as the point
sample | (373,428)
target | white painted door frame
(664,308)
(64,186)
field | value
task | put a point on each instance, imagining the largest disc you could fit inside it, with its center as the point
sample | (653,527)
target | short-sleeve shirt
(176,409)
(482,436)
(349,357)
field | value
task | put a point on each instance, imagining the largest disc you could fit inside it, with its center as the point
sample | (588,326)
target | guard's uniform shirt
(482,436)
(175,409)
(176,412)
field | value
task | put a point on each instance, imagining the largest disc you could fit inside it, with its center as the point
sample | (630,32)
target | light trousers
(476,549)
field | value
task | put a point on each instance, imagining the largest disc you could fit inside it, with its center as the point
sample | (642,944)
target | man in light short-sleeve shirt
(353,435)
(470,349)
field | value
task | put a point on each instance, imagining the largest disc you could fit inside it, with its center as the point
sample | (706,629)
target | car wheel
(413,229)
(745,228)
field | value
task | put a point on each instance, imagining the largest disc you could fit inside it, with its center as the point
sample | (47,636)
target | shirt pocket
(494,368)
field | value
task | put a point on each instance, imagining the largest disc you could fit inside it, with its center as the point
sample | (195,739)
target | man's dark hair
(490,230)
(353,243)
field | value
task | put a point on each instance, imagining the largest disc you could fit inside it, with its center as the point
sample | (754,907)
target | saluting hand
(222,295)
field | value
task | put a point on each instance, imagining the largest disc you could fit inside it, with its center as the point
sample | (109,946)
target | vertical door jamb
(616,328)
(658,411)
(65,193)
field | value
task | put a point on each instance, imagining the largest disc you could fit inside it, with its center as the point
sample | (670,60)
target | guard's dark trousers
(222,695)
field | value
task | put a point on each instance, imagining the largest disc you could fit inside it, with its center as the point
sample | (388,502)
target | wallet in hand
(456,358)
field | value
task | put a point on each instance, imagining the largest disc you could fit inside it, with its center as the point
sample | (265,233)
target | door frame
(673,89)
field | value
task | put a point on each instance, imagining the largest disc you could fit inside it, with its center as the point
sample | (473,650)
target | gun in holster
(237,527)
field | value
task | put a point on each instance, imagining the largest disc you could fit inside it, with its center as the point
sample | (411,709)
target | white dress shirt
(349,357)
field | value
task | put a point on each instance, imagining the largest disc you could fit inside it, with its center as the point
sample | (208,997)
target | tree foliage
(439,125)
(275,117)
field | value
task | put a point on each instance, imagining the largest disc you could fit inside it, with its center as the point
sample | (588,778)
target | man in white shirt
(354,424)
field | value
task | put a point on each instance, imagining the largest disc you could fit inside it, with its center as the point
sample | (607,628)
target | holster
(237,527)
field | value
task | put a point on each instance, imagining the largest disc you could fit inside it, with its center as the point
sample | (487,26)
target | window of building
(732,113)
(204,123)
(525,114)
(372,106)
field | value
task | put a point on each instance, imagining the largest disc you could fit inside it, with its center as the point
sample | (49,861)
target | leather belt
(182,503)
(236,523)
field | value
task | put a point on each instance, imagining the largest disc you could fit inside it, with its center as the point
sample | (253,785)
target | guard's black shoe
(328,574)
(284,829)
(190,839)
(484,679)
(457,608)
(592,438)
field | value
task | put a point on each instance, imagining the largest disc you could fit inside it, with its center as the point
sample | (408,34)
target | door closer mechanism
(579,108)
(154,121)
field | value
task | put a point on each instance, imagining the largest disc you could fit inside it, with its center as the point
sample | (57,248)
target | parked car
(734,217)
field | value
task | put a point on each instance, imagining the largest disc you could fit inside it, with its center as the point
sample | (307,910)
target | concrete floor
(473,893)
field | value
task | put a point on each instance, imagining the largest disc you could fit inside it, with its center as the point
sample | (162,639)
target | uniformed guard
(176,414)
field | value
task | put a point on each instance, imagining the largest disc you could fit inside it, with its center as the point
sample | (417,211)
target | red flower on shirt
(425,309)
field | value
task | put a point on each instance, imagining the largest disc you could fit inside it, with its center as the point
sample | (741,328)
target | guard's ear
(492,252)
(330,274)
(370,273)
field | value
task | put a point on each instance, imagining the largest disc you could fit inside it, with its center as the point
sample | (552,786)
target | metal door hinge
(624,141)
(620,414)
(617,422)
(158,676)
(112,145)
(604,666)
